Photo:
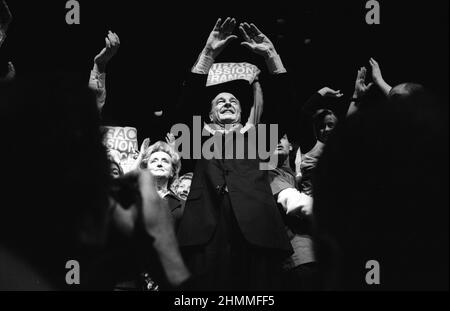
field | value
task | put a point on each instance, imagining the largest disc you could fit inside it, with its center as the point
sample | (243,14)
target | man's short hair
(186,176)
(406,90)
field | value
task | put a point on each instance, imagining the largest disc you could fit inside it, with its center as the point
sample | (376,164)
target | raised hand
(144,146)
(255,40)
(376,71)
(327,92)
(220,37)
(361,87)
(140,157)
(170,139)
(112,44)
(378,78)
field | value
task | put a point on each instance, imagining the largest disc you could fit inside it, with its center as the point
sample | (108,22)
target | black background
(160,42)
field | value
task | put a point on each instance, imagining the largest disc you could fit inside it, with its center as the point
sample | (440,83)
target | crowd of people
(373,187)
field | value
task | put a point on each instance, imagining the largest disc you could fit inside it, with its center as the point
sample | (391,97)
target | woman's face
(326,127)
(160,165)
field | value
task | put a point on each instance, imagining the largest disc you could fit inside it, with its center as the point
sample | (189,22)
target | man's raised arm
(361,88)
(260,44)
(193,101)
(218,39)
(378,78)
(97,81)
(276,85)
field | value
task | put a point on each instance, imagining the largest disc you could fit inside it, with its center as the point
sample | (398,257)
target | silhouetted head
(406,90)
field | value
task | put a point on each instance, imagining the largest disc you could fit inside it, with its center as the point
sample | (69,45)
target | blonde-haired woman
(164,164)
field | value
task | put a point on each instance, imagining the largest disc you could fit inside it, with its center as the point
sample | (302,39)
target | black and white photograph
(221,154)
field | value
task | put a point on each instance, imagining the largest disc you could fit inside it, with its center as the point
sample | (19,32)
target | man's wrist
(379,81)
(269,53)
(209,52)
(204,62)
(274,63)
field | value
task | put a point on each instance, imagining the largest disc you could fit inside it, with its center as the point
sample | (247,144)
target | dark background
(160,42)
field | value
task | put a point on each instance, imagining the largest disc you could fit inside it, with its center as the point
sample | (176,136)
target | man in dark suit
(231,232)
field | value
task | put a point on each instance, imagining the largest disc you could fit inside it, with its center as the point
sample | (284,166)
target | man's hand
(295,203)
(259,43)
(144,146)
(140,155)
(376,71)
(327,92)
(378,78)
(112,42)
(220,37)
(256,41)
(361,87)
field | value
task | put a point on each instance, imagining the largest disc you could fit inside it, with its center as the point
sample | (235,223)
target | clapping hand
(170,139)
(112,44)
(361,88)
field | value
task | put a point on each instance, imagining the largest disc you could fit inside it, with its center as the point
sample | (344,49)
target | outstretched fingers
(225,25)
(217,25)
(255,30)
(244,33)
